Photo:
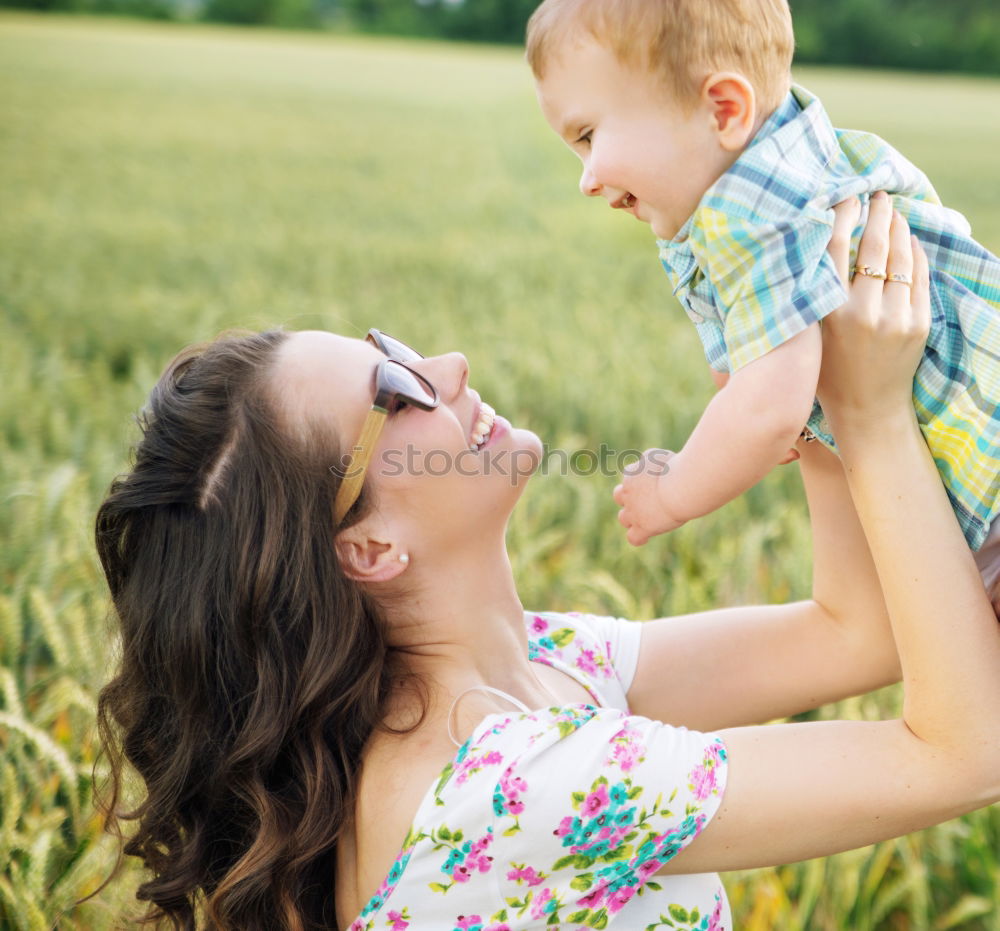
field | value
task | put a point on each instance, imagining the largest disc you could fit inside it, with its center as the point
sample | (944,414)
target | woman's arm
(803,790)
(772,661)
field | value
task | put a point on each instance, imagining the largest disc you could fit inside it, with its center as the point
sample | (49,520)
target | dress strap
(482,688)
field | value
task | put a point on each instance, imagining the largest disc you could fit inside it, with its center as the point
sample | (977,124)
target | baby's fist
(641,497)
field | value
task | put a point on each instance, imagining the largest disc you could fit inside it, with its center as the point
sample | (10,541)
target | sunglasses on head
(396,386)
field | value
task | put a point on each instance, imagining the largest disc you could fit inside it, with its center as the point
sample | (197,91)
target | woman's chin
(528,449)
(515,451)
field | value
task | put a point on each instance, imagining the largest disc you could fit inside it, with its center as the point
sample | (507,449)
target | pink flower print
(482,844)
(620,898)
(399,923)
(596,802)
(468,922)
(565,826)
(503,926)
(473,764)
(647,869)
(585,661)
(477,858)
(543,904)
(626,755)
(526,874)
(703,779)
(539,625)
(594,898)
(627,748)
(515,783)
(464,871)
(715,921)
(508,798)
(464,861)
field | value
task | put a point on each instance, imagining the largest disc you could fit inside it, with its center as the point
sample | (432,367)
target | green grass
(162,183)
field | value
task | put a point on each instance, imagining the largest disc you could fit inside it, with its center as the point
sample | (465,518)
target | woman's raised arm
(803,790)
(772,661)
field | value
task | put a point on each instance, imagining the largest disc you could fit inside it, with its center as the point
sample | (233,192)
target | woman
(294,686)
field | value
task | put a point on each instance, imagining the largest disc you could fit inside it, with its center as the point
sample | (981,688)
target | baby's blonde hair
(681,41)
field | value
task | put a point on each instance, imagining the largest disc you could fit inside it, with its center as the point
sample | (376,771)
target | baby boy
(684,115)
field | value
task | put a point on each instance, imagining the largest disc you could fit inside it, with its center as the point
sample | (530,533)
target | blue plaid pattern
(751,269)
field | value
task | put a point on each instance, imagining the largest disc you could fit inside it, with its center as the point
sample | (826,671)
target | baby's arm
(746,429)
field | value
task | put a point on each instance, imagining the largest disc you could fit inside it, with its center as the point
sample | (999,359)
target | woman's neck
(462,625)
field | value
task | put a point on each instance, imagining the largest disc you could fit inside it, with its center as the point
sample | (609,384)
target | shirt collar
(798,130)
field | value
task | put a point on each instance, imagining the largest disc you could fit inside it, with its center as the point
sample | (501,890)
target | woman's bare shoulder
(397,772)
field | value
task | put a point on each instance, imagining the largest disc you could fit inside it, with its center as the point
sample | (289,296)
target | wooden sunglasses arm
(357,468)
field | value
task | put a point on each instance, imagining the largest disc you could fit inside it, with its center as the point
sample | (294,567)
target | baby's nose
(589,185)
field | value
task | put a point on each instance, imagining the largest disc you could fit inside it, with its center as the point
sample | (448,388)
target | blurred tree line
(933,35)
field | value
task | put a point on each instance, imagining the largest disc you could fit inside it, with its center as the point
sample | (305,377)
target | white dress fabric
(561,817)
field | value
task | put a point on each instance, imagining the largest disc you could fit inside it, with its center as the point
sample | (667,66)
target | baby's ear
(733,105)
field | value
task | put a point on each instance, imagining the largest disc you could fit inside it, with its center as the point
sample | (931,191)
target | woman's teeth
(481,431)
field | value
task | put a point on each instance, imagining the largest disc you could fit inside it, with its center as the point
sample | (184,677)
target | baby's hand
(643,497)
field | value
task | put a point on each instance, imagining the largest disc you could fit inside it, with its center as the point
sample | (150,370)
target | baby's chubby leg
(988,561)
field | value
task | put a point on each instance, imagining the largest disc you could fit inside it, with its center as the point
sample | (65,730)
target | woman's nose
(449,373)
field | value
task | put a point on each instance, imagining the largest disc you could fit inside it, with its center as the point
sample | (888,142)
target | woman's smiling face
(434,468)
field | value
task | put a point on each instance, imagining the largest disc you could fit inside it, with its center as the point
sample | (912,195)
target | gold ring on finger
(900,278)
(870,272)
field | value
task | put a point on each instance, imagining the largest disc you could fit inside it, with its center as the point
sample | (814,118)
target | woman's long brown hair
(252,670)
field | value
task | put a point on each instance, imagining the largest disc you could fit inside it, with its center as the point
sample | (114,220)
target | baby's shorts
(988,561)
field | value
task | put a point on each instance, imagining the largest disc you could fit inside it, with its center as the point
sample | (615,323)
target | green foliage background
(162,183)
(926,35)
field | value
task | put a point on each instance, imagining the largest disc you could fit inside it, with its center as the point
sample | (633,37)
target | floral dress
(561,817)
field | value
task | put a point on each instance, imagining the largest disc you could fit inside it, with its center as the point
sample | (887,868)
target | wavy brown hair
(252,670)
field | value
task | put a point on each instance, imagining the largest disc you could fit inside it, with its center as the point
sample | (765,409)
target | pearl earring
(404,558)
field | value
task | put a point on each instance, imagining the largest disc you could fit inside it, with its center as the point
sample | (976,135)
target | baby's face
(640,151)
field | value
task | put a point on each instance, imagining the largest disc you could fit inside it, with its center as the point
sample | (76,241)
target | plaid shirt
(751,268)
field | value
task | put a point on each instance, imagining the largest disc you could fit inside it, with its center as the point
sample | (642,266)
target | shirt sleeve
(771,280)
(590,814)
(619,640)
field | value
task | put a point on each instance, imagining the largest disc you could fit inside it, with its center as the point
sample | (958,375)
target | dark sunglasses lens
(396,349)
(408,386)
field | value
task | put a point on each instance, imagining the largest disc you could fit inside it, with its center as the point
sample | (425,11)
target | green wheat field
(162,183)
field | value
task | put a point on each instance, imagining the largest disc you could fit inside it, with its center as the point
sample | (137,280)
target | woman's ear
(367,559)
(732,103)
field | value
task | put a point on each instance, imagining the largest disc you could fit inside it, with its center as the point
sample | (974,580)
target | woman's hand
(871,345)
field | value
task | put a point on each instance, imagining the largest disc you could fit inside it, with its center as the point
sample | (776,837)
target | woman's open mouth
(483,427)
